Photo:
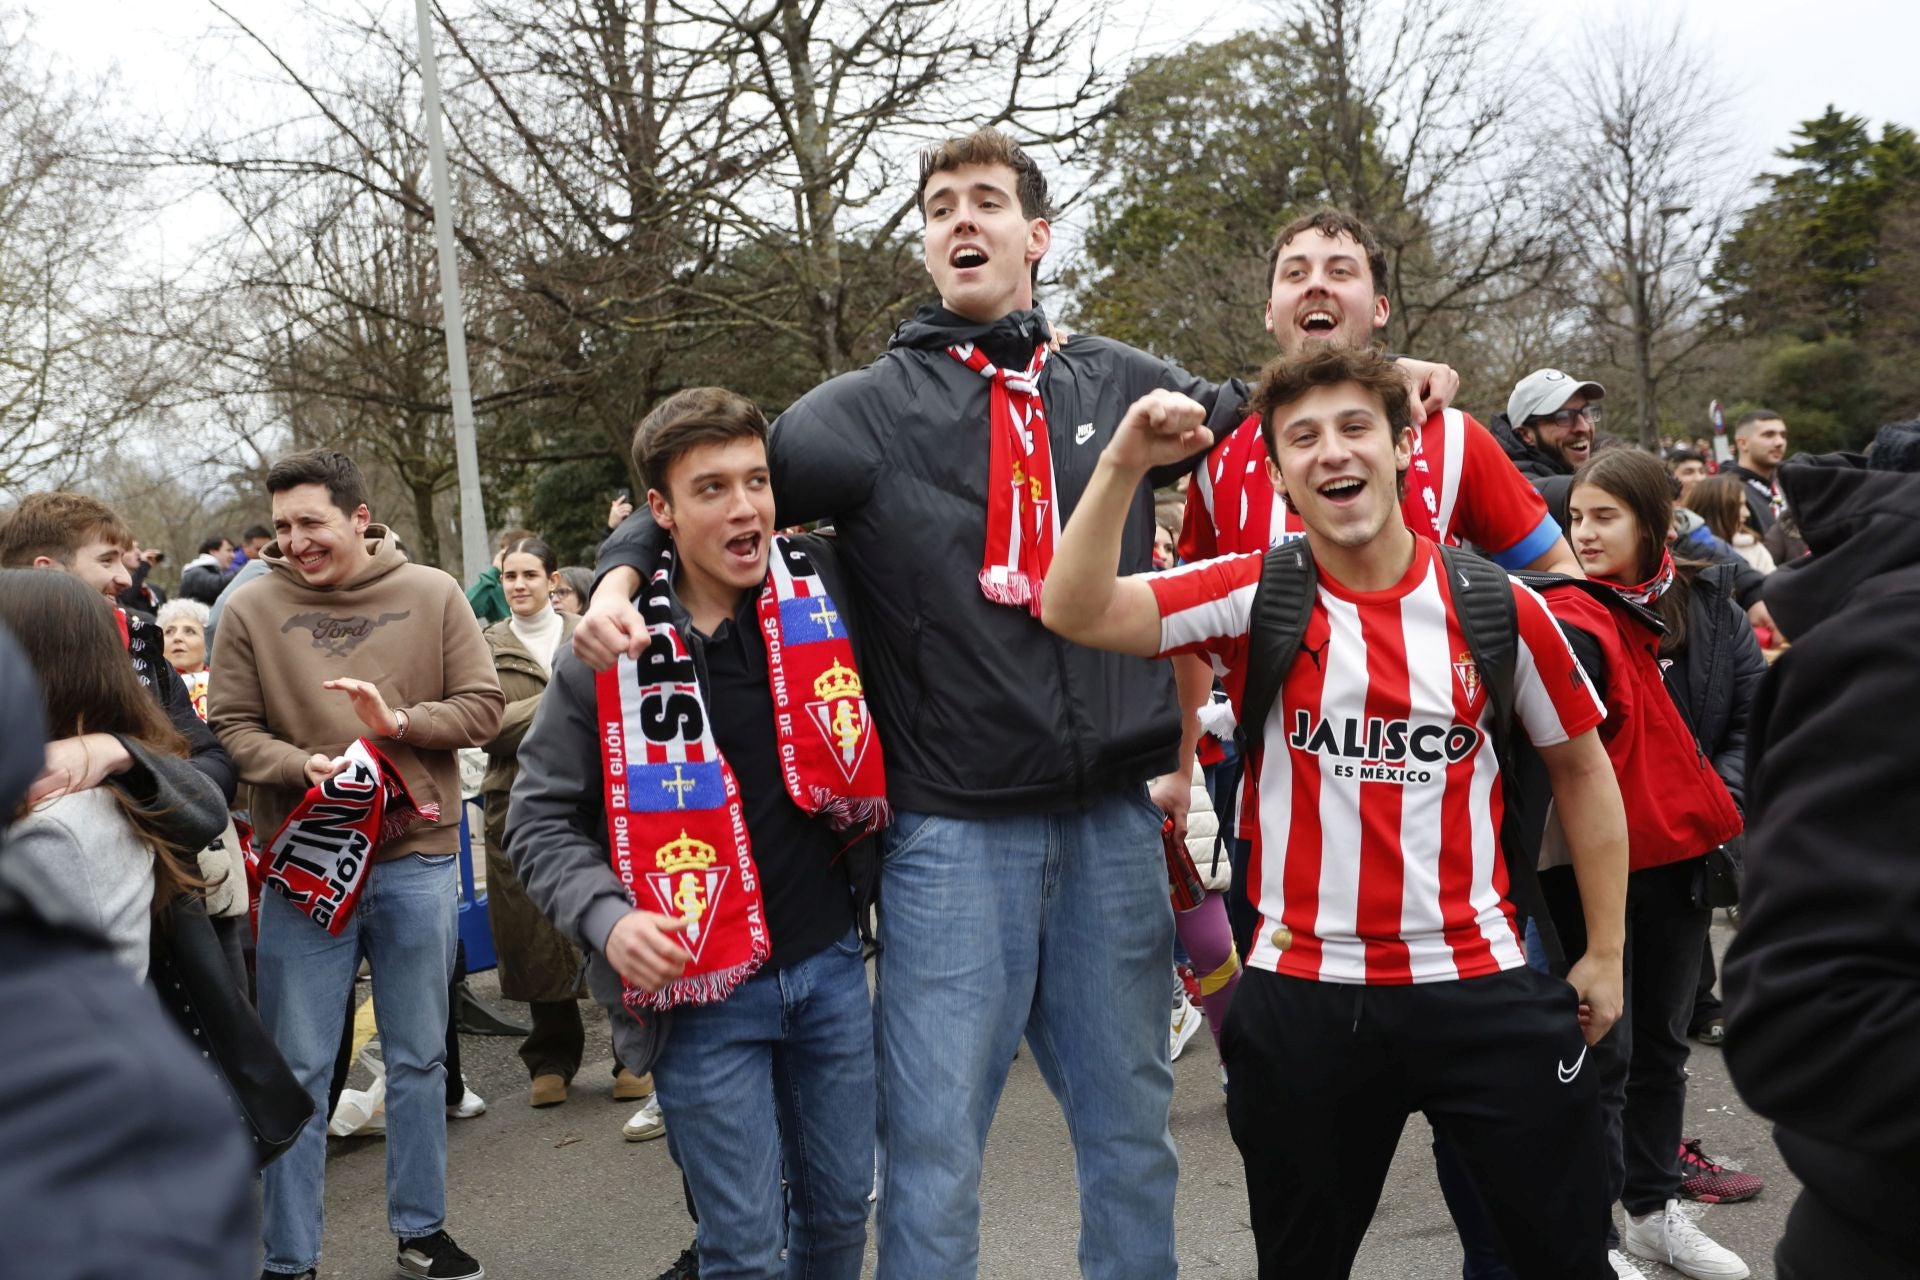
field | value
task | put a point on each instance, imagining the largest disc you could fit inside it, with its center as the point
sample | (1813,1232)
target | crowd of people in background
(830,809)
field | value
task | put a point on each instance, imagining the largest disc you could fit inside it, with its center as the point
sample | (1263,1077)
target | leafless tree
(850,89)
(69,373)
(1419,123)
(645,191)
(1647,203)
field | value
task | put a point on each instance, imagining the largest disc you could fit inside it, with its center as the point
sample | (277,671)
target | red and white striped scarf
(1023,519)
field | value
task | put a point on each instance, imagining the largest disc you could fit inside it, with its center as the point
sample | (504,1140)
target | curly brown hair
(1287,378)
(1331,223)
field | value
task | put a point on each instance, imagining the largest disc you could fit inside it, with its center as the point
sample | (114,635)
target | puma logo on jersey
(1568,1073)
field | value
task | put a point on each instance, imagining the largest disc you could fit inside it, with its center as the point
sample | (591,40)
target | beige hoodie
(404,628)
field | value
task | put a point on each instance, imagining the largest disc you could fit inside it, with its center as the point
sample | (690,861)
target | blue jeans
(779,1074)
(405,925)
(1056,926)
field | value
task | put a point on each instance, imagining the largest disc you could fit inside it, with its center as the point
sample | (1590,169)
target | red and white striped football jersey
(1460,486)
(1377,802)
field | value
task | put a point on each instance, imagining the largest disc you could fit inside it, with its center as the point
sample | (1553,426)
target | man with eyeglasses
(1550,425)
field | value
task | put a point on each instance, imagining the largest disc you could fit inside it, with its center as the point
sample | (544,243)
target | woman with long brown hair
(84,854)
(1721,502)
(1678,691)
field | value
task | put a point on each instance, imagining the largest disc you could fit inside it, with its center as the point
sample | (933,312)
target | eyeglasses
(1565,417)
(555,597)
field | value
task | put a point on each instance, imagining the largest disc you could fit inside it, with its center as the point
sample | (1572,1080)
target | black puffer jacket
(1823,979)
(1724,667)
(982,710)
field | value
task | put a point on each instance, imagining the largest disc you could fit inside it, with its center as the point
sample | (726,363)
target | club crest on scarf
(687,883)
(839,711)
(319,857)
(676,826)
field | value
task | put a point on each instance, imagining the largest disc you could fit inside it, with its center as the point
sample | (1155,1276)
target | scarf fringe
(701,988)
(395,821)
(869,813)
(1013,588)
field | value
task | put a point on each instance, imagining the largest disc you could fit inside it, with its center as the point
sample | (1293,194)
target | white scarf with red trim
(1023,518)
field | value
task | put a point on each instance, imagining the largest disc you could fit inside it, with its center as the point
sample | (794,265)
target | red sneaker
(1709,1183)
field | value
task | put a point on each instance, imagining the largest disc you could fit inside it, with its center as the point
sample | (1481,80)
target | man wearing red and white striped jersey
(1387,977)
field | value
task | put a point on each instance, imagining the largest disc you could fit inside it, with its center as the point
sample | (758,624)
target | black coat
(91,1185)
(23,747)
(982,709)
(94,1183)
(202,581)
(1724,670)
(1535,464)
(1823,979)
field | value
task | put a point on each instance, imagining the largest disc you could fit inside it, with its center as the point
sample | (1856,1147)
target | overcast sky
(1783,62)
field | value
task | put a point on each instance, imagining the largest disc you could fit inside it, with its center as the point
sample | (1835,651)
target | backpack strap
(1282,607)
(1483,602)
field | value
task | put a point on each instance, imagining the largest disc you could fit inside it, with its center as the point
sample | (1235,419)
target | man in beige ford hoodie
(345,639)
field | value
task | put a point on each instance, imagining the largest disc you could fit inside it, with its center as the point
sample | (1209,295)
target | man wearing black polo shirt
(776,1078)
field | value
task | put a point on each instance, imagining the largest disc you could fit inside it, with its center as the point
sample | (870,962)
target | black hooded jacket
(1534,463)
(1823,979)
(981,709)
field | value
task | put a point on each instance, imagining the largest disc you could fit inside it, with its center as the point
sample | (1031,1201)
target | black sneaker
(438,1258)
(685,1267)
(308,1274)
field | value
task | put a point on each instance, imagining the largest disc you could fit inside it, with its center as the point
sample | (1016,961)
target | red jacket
(1677,807)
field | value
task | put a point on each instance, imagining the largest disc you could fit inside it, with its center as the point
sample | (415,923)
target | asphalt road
(560,1193)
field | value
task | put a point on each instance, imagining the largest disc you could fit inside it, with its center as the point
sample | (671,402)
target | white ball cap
(1546,391)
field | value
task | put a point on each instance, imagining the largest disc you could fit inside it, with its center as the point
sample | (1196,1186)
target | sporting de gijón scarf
(1023,518)
(319,858)
(677,833)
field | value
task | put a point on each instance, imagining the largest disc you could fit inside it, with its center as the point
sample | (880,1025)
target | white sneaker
(1670,1236)
(1623,1268)
(1186,1023)
(647,1122)
(470,1105)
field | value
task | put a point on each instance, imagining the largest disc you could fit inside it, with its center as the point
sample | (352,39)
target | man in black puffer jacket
(1823,979)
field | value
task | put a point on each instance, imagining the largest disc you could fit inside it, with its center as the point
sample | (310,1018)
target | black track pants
(1321,1080)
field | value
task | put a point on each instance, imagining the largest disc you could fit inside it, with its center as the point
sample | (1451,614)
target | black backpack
(1483,602)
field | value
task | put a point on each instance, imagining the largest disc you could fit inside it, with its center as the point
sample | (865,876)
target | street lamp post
(473,514)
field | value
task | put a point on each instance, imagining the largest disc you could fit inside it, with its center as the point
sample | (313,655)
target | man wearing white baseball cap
(1551,419)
